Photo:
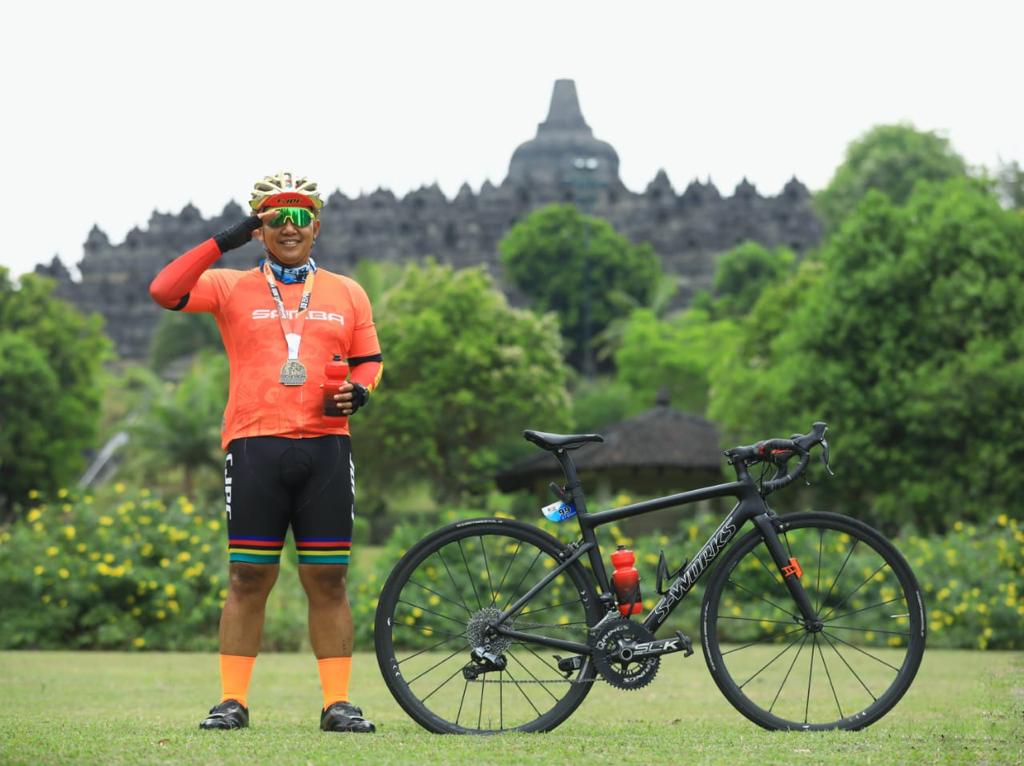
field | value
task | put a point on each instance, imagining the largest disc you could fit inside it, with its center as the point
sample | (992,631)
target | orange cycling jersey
(339,320)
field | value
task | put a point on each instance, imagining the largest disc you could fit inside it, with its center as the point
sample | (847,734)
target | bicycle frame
(750,507)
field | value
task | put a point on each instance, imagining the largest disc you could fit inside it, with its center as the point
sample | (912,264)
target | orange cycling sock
(334,675)
(235,671)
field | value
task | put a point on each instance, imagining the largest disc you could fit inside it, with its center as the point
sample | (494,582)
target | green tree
(181,427)
(1010,184)
(674,354)
(890,159)
(179,335)
(741,274)
(908,338)
(464,374)
(573,264)
(50,356)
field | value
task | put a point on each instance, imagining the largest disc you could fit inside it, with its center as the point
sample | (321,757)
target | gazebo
(657,452)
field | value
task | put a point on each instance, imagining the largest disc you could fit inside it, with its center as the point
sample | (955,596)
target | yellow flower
(194,540)
(119,487)
(213,524)
(64,573)
(69,532)
(87,499)
(160,614)
(62,492)
(53,550)
(62,603)
(106,521)
(66,507)
(169,589)
(184,556)
(34,515)
(45,598)
(94,556)
(139,642)
(136,612)
(165,562)
(1002,519)
(145,519)
(102,568)
(33,494)
(108,557)
(39,569)
(205,548)
(38,526)
(958,526)
(173,606)
(223,593)
(147,549)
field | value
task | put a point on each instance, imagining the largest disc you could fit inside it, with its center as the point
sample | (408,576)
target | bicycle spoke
(850,595)
(787,673)
(817,572)
(763,667)
(771,574)
(836,650)
(487,566)
(756,595)
(449,678)
(431,611)
(765,640)
(458,590)
(866,608)
(432,667)
(508,569)
(531,651)
(553,606)
(421,651)
(431,590)
(525,695)
(840,572)
(829,676)
(480,714)
(421,629)
(501,701)
(867,630)
(756,619)
(810,676)
(462,701)
(541,683)
(522,580)
(868,654)
(472,580)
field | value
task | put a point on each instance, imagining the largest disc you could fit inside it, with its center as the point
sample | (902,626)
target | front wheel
(845,672)
(436,608)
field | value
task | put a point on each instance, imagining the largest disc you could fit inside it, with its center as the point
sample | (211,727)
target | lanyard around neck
(292,331)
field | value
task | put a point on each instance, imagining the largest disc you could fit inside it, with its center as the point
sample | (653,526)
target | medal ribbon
(292,332)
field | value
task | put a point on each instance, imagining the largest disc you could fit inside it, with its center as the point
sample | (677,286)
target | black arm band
(237,235)
(182,303)
(355,361)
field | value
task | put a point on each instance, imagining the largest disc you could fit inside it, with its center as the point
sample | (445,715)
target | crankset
(627,655)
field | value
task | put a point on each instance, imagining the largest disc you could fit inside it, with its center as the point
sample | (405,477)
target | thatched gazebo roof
(658,450)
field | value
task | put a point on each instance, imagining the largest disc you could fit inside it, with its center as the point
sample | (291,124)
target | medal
(293,373)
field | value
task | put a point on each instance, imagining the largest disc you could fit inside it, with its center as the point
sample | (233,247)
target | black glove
(237,235)
(360,396)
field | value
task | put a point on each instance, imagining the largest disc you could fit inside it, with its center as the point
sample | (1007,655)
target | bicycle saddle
(555,442)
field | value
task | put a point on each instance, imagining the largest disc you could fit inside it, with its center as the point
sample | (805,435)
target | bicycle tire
(726,605)
(503,534)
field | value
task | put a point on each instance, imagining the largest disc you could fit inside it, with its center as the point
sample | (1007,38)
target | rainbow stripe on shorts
(255,550)
(323,550)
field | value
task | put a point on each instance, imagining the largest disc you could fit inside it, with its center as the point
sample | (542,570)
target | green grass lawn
(107,708)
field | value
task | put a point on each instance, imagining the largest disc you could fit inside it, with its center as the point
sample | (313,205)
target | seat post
(572,481)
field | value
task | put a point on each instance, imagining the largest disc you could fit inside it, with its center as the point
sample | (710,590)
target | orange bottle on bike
(626,581)
(336,371)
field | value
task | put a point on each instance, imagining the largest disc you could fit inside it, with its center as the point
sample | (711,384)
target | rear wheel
(845,673)
(436,607)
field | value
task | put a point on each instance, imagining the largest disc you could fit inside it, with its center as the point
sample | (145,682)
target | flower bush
(137,571)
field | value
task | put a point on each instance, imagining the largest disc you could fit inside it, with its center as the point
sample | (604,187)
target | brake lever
(824,457)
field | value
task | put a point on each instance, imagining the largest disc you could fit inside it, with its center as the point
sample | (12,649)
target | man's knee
(252,580)
(324,581)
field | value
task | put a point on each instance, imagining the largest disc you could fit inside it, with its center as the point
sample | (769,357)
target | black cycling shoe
(229,714)
(344,716)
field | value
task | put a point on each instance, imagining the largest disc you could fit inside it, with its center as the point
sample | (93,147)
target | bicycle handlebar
(779,451)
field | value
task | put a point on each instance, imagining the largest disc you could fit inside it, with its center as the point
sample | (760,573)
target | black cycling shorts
(271,482)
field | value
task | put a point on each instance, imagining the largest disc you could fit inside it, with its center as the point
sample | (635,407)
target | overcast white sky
(114,109)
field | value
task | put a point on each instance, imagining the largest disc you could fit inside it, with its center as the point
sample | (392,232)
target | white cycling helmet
(284,190)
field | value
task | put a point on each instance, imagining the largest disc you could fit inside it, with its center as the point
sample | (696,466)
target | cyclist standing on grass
(287,463)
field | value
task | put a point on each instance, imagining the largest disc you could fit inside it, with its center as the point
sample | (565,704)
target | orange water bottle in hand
(336,371)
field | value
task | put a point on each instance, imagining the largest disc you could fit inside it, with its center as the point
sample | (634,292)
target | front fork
(789,569)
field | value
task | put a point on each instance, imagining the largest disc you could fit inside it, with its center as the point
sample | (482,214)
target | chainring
(607,642)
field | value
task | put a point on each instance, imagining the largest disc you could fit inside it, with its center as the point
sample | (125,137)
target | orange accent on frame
(793,569)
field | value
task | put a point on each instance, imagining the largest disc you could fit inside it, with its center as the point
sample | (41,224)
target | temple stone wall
(563,163)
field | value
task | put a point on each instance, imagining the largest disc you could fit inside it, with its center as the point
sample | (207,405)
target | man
(287,462)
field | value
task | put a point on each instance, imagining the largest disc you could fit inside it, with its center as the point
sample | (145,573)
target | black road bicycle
(810,621)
